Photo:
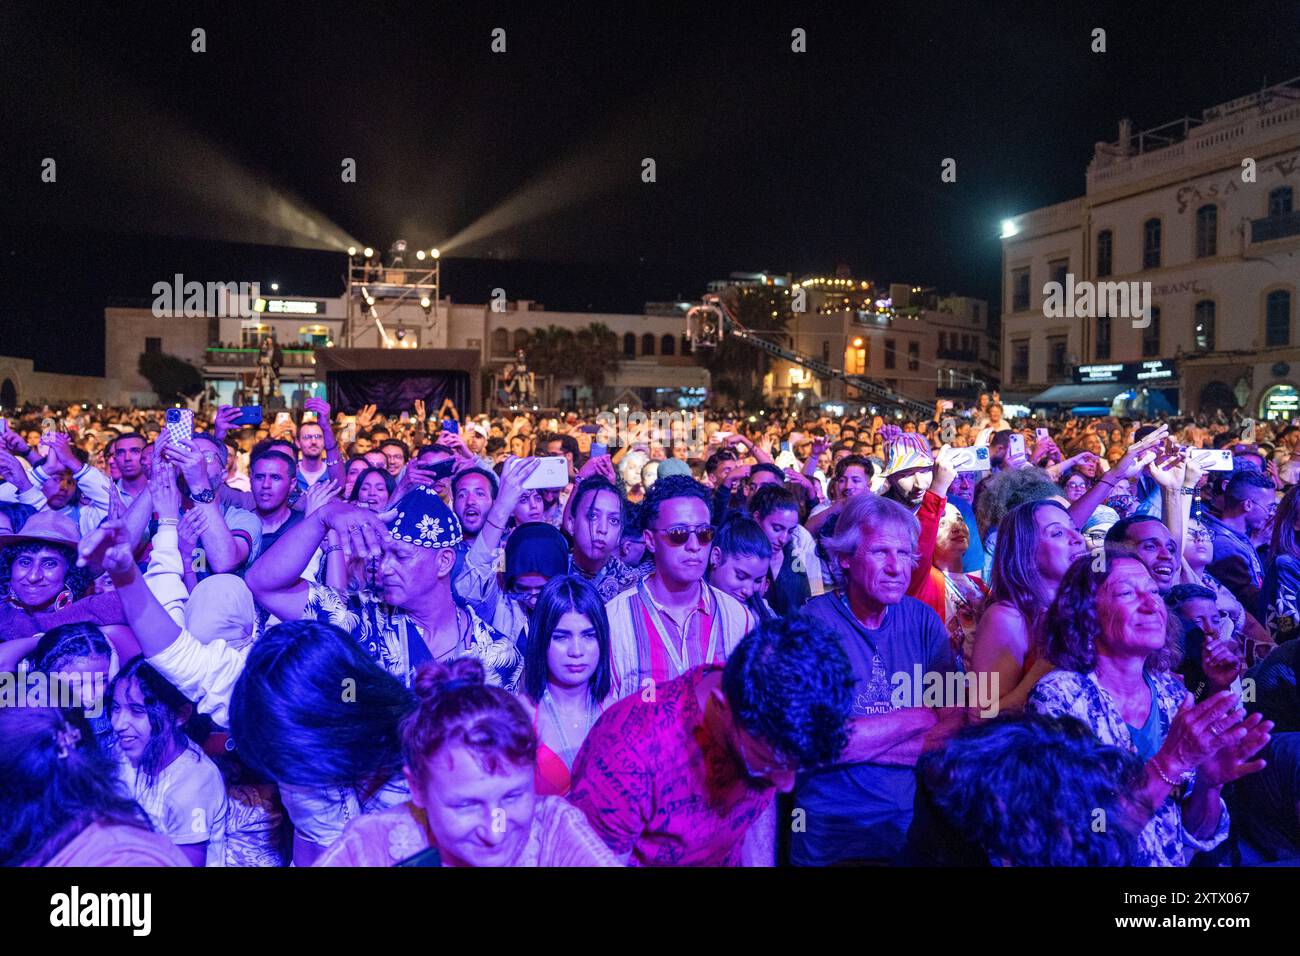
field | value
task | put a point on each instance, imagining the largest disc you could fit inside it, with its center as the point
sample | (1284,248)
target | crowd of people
(747,639)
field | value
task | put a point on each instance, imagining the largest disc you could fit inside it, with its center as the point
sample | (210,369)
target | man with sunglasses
(673,620)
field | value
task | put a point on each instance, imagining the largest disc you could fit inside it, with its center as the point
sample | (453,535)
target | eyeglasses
(678,536)
(1201,535)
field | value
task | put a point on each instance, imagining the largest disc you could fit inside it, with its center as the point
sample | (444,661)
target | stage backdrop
(396,392)
(393,379)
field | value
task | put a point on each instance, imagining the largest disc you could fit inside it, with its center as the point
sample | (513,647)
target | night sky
(765,158)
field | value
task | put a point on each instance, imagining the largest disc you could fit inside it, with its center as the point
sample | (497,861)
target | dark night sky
(766,159)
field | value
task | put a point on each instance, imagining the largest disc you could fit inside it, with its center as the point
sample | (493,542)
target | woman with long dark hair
(1037,543)
(61,803)
(314,713)
(1279,599)
(175,783)
(566,675)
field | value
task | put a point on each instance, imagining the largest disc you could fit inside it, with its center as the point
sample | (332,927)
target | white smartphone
(1210,459)
(282,417)
(975,458)
(1015,446)
(553,472)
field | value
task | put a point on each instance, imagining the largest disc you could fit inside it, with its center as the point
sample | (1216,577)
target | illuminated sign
(1153,371)
(294,307)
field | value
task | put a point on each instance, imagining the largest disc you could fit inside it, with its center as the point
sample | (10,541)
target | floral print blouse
(1163,841)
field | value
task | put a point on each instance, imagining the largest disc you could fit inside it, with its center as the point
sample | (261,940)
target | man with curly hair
(687,775)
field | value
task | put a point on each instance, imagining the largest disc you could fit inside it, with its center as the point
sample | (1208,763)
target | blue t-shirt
(861,811)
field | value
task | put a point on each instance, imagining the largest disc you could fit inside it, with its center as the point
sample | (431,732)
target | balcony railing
(1275,227)
(958,355)
(221,355)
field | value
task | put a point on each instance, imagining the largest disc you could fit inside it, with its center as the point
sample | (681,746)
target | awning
(1102,393)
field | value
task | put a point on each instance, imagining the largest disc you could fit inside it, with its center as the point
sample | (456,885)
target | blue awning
(1101,394)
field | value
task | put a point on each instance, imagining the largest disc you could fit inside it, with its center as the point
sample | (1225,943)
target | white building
(1203,210)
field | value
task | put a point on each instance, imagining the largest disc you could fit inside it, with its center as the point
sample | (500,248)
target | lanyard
(657,625)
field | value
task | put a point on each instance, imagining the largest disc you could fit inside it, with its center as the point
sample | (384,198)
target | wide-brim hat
(45,527)
(907,452)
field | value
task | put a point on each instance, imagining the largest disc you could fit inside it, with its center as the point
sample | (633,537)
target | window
(889,353)
(667,345)
(500,342)
(913,356)
(1151,336)
(975,313)
(629,345)
(1019,290)
(1105,249)
(1279,201)
(1207,231)
(1020,361)
(826,351)
(1277,321)
(152,346)
(1151,244)
(943,341)
(1057,346)
(1103,338)
(521,339)
(1204,323)
(647,344)
(1057,270)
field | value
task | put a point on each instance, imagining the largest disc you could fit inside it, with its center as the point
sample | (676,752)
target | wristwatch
(205,497)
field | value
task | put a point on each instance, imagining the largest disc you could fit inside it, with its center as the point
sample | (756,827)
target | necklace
(569,750)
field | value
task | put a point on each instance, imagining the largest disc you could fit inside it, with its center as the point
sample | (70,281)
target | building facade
(1184,249)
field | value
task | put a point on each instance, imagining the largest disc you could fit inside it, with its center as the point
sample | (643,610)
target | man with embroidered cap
(408,614)
(909,466)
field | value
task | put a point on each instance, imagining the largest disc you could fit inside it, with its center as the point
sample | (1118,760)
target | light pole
(437,282)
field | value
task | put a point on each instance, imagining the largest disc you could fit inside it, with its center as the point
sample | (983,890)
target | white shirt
(187,801)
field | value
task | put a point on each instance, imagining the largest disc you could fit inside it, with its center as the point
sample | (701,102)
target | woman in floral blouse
(1108,633)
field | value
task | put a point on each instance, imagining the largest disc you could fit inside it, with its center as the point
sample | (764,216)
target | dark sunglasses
(679,536)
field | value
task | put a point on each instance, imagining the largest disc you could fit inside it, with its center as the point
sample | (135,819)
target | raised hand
(319,495)
(1240,743)
(1196,732)
(13,471)
(107,547)
(191,530)
(1220,662)
(420,415)
(321,408)
(225,422)
(366,415)
(162,486)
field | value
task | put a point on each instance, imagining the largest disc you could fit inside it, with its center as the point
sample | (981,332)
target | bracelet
(326,552)
(1188,491)
(169,521)
(1163,776)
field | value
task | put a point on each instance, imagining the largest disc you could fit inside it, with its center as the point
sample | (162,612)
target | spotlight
(352,250)
(369,252)
(426,304)
(275,287)
(419,254)
(1009,228)
(434,253)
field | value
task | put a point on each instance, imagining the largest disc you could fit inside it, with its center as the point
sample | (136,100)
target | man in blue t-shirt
(859,810)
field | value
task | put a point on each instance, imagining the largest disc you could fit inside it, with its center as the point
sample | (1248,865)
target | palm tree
(601,353)
(737,369)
